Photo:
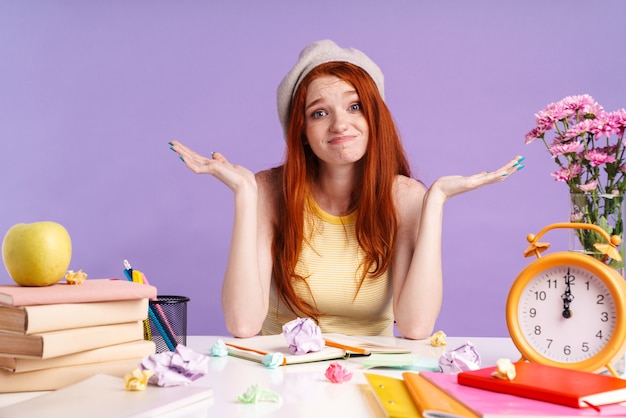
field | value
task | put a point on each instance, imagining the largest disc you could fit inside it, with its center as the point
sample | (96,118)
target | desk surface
(304,390)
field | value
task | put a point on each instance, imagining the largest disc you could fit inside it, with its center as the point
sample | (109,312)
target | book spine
(123,351)
(58,377)
(92,290)
(46,318)
(58,343)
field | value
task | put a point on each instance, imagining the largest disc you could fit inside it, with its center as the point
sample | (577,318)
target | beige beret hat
(317,53)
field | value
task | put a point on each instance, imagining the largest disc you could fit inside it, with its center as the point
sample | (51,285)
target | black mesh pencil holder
(167,316)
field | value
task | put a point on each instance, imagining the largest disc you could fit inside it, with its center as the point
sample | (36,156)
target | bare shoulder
(408,194)
(269,187)
(268,181)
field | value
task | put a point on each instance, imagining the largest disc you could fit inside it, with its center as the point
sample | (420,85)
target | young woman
(340,232)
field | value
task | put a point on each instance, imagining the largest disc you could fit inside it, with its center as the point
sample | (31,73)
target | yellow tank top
(330,260)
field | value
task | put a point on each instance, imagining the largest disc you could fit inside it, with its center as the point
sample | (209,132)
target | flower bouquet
(588,148)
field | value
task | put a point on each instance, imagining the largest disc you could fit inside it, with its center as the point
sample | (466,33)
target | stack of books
(54,336)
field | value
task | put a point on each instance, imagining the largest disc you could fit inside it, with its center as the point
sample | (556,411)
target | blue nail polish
(170,144)
(182,159)
(520,167)
(520,159)
(172,149)
(505,175)
(515,165)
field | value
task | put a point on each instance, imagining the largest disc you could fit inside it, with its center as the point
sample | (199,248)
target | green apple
(37,254)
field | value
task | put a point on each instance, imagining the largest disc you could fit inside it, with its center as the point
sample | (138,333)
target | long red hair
(376,221)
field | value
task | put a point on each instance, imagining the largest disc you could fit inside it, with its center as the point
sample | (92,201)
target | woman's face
(335,126)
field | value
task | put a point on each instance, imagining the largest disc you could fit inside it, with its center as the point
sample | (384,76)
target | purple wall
(91,92)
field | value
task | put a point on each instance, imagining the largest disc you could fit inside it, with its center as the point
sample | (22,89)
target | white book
(104,396)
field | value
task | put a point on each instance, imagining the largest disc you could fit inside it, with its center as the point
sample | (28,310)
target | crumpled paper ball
(272,360)
(255,394)
(219,349)
(137,379)
(336,373)
(303,336)
(175,368)
(461,359)
(505,369)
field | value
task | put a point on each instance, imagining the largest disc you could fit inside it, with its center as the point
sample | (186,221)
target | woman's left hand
(455,185)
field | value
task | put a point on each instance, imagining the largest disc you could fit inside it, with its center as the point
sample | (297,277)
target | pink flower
(533,135)
(576,216)
(592,185)
(578,129)
(598,157)
(565,147)
(336,373)
(568,173)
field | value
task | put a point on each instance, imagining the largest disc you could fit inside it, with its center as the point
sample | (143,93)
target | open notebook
(337,346)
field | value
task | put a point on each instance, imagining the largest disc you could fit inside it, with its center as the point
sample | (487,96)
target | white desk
(304,390)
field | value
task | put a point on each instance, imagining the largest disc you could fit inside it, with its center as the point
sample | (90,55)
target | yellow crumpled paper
(438,339)
(505,369)
(75,277)
(137,379)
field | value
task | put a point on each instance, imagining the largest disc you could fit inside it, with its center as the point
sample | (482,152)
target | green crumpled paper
(256,394)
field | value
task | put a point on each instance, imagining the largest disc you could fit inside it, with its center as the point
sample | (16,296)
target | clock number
(551,282)
(600,300)
(540,295)
(585,347)
(533,312)
(604,316)
(537,330)
(567,350)
(599,335)
(550,341)
(569,278)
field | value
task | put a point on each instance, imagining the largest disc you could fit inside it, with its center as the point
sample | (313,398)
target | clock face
(566,314)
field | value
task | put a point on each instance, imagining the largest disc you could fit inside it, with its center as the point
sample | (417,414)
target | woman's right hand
(232,175)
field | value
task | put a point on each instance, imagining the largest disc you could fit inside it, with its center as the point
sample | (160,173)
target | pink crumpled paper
(336,373)
(460,359)
(303,336)
(175,368)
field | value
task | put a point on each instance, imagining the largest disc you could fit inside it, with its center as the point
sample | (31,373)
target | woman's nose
(339,122)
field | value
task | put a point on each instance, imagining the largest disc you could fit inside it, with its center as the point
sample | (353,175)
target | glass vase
(603,210)
(607,212)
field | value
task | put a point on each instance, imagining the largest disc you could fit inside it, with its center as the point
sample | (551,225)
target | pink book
(91,290)
(488,404)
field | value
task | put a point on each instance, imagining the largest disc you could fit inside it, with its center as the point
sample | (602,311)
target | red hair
(376,221)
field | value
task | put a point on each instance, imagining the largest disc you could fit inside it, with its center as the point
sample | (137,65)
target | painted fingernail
(520,159)
(170,143)
(212,154)
(182,159)
(520,167)
(505,175)
(172,149)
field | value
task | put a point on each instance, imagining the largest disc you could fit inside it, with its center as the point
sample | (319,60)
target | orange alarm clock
(568,309)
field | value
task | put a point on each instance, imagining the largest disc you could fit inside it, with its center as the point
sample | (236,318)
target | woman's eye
(318,114)
(355,107)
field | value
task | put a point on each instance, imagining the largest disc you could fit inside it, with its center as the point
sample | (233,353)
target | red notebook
(557,385)
(487,404)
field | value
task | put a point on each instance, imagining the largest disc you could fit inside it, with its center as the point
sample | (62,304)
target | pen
(128,270)
(168,338)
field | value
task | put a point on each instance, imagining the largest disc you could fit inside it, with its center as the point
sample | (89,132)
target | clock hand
(567,297)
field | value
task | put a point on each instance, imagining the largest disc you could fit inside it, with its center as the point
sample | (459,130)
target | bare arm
(417,270)
(245,289)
